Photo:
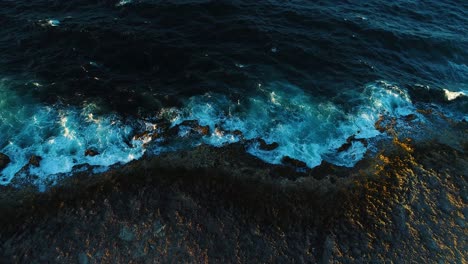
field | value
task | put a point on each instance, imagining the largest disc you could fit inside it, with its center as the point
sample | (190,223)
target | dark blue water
(305,74)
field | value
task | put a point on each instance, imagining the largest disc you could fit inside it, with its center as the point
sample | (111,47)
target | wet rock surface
(407,204)
(192,127)
(267,147)
(286,160)
(4,161)
(35,161)
(91,152)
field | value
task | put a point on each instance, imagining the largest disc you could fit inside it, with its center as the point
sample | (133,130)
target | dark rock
(4,161)
(194,126)
(35,160)
(410,117)
(349,143)
(326,168)
(203,130)
(425,111)
(91,152)
(346,145)
(286,160)
(143,136)
(237,133)
(381,124)
(267,147)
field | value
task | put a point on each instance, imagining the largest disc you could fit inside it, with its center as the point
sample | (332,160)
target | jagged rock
(91,152)
(378,125)
(142,135)
(349,143)
(193,125)
(267,147)
(35,161)
(4,161)
(286,160)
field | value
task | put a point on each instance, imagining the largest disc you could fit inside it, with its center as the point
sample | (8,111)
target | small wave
(301,126)
(60,136)
(306,128)
(453,95)
(124,2)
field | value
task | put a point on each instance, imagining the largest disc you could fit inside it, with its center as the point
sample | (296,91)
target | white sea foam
(53,22)
(453,95)
(306,128)
(124,2)
(60,136)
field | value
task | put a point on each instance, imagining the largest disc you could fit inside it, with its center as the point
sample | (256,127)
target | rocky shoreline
(404,203)
(220,204)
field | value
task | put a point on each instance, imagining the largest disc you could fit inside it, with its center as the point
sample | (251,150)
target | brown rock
(203,130)
(424,111)
(237,133)
(410,117)
(4,160)
(193,125)
(35,160)
(91,152)
(378,125)
(141,136)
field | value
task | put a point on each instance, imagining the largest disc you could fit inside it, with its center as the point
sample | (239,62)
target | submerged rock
(35,161)
(267,147)
(194,128)
(91,152)
(349,143)
(4,161)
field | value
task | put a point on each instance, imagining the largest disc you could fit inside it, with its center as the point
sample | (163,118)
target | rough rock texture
(406,203)
(204,206)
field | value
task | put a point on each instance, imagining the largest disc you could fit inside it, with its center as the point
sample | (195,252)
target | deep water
(308,75)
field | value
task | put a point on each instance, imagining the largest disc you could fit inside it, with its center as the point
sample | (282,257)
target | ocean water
(79,75)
